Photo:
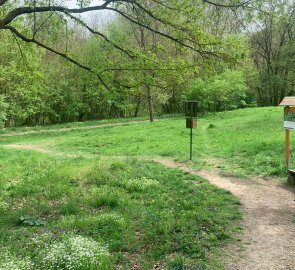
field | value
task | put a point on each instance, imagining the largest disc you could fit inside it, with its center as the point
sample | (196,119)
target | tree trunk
(137,106)
(150,103)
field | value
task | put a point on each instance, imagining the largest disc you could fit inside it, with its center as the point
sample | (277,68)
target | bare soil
(268,241)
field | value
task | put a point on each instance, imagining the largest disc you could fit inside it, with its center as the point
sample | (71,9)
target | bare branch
(145,69)
(105,6)
(28,10)
(227,6)
(129,18)
(41,25)
(166,6)
(2,2)
(19,47)
(101,35)
(176,26)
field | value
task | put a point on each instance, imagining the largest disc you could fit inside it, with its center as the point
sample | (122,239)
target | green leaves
(220,92)
(31,221)
(21,79)
(272,45)
(3,107)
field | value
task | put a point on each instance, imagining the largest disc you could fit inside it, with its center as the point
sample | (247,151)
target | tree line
(59,64)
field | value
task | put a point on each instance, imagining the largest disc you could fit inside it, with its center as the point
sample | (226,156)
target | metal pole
(191,140)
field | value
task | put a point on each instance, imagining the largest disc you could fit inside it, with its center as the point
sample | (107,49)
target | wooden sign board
(289,124)
(289,118)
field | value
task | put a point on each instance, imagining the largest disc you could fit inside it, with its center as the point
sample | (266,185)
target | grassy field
(243,142)
(86,190)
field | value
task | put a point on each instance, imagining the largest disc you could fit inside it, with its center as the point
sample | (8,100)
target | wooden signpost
(289,124)
(191,109)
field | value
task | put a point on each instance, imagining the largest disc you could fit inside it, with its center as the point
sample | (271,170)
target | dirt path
(269,231)
(16,133)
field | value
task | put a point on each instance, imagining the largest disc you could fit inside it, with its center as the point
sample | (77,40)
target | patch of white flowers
(40,242)
(9,261)
(72,252)
(141,183)
(76,253)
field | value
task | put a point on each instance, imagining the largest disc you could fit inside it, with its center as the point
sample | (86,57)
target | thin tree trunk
(150,103)
(137,106)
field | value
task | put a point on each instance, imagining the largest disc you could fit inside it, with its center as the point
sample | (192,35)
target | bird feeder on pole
(191,109)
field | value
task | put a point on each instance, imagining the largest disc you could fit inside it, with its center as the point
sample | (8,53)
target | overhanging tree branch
(185,42)
(65,56)
(167,6)
(165,22)
(28,10)
(190,43)
(177,40)
(105,6)
(101,35)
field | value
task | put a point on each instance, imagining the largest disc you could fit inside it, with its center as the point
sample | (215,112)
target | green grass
(77,125)
(92,184)
(242,142)
(142,212)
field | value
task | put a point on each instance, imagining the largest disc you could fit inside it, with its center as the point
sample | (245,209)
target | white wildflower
(76,253)
(9,261)
(141,183)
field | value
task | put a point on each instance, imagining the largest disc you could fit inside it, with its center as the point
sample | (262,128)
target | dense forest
(104,59)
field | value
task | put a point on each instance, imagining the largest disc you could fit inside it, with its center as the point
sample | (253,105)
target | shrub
(225,91)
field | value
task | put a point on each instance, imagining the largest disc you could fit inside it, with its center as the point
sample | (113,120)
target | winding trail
(269,228)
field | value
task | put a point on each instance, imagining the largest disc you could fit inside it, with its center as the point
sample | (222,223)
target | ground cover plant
(108,213)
